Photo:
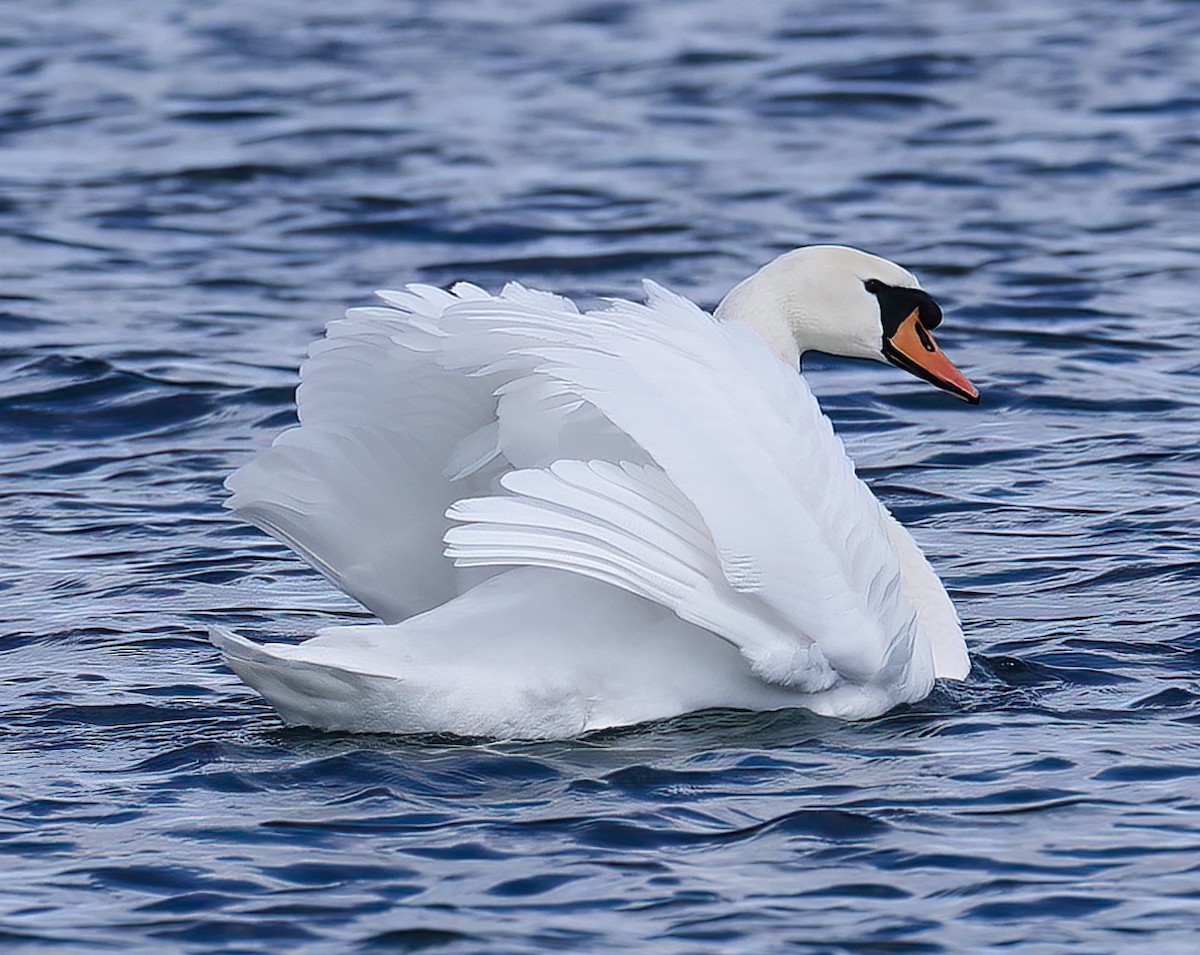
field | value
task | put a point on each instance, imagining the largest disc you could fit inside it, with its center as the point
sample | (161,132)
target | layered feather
(670,460)
(741,439)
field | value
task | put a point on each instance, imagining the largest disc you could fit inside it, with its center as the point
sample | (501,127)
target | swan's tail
(308,692)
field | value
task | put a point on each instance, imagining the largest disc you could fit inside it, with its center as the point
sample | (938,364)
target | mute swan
(571,520)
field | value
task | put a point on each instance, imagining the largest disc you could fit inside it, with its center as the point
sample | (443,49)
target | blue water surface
(190,190)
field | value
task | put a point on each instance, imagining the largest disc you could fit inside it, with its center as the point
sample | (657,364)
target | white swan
(571,520)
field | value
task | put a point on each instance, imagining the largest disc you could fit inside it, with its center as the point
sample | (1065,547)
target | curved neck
(758,305)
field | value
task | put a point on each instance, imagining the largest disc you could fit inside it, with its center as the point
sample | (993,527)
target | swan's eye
(873,286)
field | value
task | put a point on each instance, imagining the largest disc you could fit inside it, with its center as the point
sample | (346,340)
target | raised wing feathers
(359,489)
(646,446)
(740,437)
(628,525)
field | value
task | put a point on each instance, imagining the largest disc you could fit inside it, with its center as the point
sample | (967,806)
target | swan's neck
(760,305)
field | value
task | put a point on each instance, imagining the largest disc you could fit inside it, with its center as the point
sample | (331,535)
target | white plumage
(569,520)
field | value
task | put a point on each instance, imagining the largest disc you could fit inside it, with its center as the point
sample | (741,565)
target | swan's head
(842,301)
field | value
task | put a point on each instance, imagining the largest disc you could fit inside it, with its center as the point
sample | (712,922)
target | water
(188,191)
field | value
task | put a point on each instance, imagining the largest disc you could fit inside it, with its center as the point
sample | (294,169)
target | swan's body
(569,520)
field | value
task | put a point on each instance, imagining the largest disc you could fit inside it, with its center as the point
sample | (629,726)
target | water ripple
(191,191)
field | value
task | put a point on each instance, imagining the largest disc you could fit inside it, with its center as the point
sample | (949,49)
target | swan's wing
(936,616)
(796,536)
(393,429)
(629,526)
(405,410)
(359,489)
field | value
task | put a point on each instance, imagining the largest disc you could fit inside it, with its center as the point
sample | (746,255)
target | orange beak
(912,348)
